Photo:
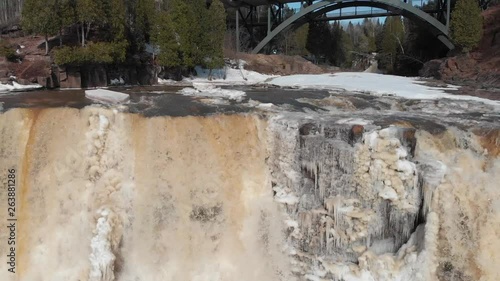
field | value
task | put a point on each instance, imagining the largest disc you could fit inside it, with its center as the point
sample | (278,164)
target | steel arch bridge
(314,9)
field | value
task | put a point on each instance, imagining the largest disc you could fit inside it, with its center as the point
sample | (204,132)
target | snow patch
(211,91)
(106,96)
(18,87)
(230,75)
(376,84)
(354,121)
(117,82)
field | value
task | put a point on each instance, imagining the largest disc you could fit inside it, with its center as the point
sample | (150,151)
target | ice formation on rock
(369,201)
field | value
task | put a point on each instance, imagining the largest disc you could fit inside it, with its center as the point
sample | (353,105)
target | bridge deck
(238,3)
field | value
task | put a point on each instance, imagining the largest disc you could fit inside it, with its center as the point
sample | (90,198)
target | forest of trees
(401,45)
(345,45)
(183,33)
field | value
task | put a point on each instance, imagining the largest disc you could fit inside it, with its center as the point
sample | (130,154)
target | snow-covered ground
(17,87)
(223,76)
(376,84)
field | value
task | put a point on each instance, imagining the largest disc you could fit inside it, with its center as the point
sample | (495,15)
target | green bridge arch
(437,28)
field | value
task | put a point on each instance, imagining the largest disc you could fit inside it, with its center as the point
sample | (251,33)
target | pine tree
(318,39)
(214,28)
(393,35)
(300,40)
(347,48)
(143,17)
(164,36)
(184,16)
(39,16)
(466,24)
(89,12)
(115,13)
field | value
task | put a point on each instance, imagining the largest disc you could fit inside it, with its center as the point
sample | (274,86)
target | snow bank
(211,91)
(18,87)
(106,96)
(377,84)
(230,75)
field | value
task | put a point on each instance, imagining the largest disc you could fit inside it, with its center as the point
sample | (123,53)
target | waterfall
(105,195)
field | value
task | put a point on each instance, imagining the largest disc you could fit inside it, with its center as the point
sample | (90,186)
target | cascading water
(106,195)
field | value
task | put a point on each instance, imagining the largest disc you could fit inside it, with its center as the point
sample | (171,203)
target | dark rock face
(431,69)
(70,77)
(92,76)
(480,68)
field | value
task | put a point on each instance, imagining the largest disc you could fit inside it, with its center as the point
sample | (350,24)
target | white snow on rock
(18,87)
(354,121)
(229,75)
(117,82)
(211,91)
(106,96)
(377,84)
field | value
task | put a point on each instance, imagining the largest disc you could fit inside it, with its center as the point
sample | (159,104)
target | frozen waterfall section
(358,205)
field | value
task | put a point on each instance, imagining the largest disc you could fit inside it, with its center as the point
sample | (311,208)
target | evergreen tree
(141,18)
(164,36)
(347,48)
(213,22)
(300,40)
(39,16)
(393,35)
(89,12)
(466,24)
(186,26)
(115,17)
(318,39)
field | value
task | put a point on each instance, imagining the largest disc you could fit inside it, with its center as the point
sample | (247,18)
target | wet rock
(431,69)
(489,140)
(409,140)
(308,129)
(356,134)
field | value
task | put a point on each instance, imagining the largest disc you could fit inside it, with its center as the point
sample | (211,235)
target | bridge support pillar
(237,31)
(448,16)
(268,19)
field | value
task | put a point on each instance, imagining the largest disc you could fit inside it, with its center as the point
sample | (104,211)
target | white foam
(211,91)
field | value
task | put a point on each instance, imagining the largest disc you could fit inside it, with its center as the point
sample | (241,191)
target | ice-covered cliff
(324,186)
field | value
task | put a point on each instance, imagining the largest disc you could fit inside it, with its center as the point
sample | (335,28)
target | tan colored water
(105,196)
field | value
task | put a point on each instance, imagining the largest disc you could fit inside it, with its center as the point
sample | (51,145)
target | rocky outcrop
(279,64)
(482,66)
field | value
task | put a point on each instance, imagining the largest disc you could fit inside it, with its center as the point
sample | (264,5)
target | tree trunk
(60,37)
(77,33)
(83,34)
(88,30)
(46,44)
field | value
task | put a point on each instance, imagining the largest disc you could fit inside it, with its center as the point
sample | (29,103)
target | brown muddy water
(284,185)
